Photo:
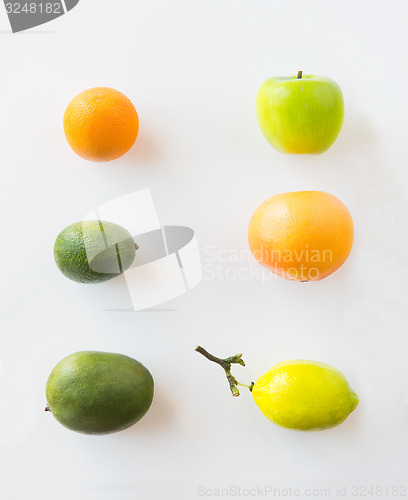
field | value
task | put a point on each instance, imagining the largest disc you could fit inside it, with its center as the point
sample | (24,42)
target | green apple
(300,114)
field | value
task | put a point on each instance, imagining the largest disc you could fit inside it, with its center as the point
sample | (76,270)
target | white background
(192,70)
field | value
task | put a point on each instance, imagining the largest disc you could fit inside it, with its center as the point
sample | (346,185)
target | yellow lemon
(300,395)
(304,395)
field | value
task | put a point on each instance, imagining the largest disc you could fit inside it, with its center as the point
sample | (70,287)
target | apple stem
(299,75)
(226,366)
(47,408)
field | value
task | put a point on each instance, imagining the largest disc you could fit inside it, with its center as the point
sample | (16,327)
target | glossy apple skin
(300,115)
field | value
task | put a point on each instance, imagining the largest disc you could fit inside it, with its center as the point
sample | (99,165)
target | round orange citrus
(101,124)
(303,236)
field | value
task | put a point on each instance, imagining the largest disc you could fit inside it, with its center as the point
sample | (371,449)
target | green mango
(99,392)
(94,251)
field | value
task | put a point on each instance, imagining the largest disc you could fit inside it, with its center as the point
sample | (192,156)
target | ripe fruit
(303,235)
(101,124)
(94,251)
(99,392)
(299,395)
(304,395)
(300,114)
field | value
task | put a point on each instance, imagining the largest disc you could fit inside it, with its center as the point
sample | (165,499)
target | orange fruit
(101,124)
(303,236)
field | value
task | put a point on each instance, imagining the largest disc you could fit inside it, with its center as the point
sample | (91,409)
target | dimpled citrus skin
(302,235)
(109,246)
(304,395)
(101,124)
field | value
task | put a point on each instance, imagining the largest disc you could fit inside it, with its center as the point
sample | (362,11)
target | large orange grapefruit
(303,235)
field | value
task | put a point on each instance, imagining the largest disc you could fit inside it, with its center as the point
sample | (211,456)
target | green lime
(94,251)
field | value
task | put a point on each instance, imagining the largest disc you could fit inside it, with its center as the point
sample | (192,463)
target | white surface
(192,70)
(162,279)
(135,211)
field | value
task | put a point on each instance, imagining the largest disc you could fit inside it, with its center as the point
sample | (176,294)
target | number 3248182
(33,8)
